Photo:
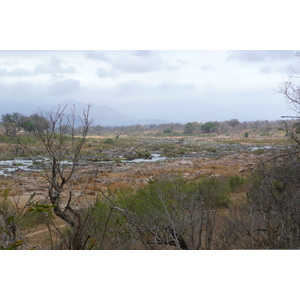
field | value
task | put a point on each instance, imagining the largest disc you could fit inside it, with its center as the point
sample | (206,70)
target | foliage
(274,199)
(167,130)
(235,182)
(10,235)
(173,212)
(233,123)
(12,123)
(190,127)
(259,151)
(208,127)
(109,141)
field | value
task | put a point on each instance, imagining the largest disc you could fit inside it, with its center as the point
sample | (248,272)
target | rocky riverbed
(191,159)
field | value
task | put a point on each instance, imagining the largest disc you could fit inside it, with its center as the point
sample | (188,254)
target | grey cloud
(10,63)
(23,87)
(18,72)
(206,68)
(266,70)
(286,70)
(3,72)
(132,63)
(103,73)
(64,87)
(260,55)
(169,86)
(98,55)
(143,53)
(182,62)
(54,67)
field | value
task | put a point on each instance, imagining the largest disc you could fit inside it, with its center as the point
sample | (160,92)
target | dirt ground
(92,178)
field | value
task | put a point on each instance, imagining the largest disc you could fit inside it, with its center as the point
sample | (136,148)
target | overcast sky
(177,86)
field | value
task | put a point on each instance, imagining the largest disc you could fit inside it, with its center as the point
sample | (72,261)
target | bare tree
(233,123)
(290,89)
(58,168)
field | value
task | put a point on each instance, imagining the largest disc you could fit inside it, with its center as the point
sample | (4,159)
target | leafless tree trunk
(59,167)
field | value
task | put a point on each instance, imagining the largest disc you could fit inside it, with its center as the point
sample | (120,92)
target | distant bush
(246,134)
(144,154)
(109,141)
(211,149)
(167,130)
(259,151)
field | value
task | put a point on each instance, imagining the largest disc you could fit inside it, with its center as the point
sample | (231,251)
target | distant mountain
(106,116)
(101,115)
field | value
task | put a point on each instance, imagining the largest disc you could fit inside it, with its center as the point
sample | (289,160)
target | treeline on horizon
(190,128)
(14,123)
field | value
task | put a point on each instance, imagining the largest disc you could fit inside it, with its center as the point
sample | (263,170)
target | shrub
(173,212)
(275,208)
(235,182)
(211,149)
(109,141)
(259,151)
(167,130)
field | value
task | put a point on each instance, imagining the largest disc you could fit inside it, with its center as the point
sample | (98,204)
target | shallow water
(14,165)
(154,158)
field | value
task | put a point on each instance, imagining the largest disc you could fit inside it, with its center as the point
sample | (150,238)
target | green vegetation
(205,207)
(235,182)
(167,130)
(259,151)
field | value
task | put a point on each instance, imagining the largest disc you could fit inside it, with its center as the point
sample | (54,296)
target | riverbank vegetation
(217,185)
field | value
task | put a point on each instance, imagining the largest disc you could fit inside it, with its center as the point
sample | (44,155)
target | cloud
(98,55)
(182,62)
(266,70)
(260,55)
(18,72)
(141,62)
(10,63)
(169,86)
(206,68)
(103,73)
(64,87)
(54,67)
(144,53)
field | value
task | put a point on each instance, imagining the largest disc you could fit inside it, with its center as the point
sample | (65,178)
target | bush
(167,130)
(173,212)
(235,182)
(259,151)
(109,141)
(275,207)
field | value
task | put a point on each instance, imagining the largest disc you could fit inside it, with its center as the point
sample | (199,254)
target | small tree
(190,127)
(12,123)
(35,122)
(233,123)
(208,127)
